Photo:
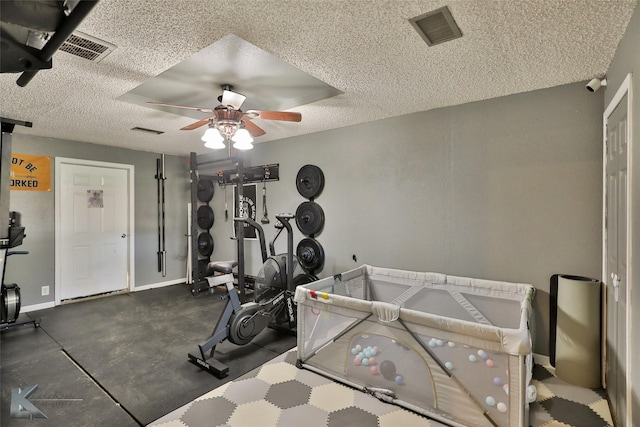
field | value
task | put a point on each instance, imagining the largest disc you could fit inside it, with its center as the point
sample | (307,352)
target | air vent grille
(87,47)
(146,130)
(437,26)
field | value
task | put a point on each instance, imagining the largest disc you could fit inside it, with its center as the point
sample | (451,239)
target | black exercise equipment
(11,232)
(10,308)
(205,190)
(59,19)
(162,250)
(205,244)
(273,306)
(309,218)
(310,254)
(205,217)
(309,181)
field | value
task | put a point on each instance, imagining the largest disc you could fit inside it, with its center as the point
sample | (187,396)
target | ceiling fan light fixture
(243,146)
(242,136)
(213,139)
(242,139)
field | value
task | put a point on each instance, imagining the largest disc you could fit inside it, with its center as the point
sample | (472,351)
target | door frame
(60,162)
(624,89)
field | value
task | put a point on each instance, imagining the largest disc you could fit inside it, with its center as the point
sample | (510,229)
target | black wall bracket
(251,174)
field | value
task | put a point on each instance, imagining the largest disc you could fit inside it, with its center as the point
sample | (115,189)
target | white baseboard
(541,359)
(36,307)
(158,285)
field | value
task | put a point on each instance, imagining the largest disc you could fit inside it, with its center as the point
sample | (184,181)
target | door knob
(124,235)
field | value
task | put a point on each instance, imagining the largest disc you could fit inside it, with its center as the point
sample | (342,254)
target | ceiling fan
(229,122)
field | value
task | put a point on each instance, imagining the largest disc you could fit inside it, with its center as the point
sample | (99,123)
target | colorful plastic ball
(449,365)
(399,380)
(483,354)
(373,351)
(357,361)
(472,358)
(388,370)
(502,407)
(354,351)
(497,381)
(451,344)
(365,361)
(489,363)
(372,360)
(358,348)
(490,401)
(376,349)
(374,370)
(432,342)
(439,343)
(506,389)
(360,356)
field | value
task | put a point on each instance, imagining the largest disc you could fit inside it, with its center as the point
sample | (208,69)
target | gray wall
(627,60)
(38,216)
(505,189)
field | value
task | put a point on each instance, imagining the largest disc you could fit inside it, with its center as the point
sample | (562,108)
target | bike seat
(225,267)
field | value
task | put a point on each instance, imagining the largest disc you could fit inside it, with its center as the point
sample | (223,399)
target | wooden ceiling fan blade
(253,128)
(233,99)
(196,124)
(162,104)
(288,116)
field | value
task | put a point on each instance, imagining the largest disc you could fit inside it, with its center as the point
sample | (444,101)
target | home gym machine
(11,232)
(201,244)
(273,304)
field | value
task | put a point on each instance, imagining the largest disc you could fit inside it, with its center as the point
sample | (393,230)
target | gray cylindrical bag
(578,331)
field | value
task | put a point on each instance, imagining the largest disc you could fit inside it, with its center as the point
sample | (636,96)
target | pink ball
(357,361)
(374,370)
(489,363)
(372,360)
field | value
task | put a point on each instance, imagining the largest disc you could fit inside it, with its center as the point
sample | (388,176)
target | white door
(93,230)
(615,271)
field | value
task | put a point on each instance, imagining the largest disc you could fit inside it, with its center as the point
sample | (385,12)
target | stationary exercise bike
(10,292)
(273,304)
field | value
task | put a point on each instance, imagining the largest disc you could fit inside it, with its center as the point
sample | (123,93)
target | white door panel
(93,230)
(615,277)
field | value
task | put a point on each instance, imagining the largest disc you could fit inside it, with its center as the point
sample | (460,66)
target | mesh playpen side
(452,348)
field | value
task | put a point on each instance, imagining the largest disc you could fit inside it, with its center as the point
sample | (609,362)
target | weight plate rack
(202,220)
(310,218)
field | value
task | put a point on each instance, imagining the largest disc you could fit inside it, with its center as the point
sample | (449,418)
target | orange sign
(30,172)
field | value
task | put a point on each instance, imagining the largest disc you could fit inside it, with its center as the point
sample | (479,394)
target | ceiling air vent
(87,47)
(146,130)
(437,26)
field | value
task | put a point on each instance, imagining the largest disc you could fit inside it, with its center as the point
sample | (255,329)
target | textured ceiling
(364,48)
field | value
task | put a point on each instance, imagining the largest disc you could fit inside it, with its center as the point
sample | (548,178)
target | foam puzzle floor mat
(280,394)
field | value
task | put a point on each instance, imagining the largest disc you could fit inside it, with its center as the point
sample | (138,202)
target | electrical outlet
(45,290)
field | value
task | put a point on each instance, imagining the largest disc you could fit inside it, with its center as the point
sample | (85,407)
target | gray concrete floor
(121,360)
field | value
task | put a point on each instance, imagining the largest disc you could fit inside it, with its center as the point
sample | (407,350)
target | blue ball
(399,380)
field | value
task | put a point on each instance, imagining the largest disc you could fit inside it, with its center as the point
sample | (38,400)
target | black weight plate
(205,217)
(205,190)
(202,268)
(310,254)
(205,244)
(309,218)
(309,181)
